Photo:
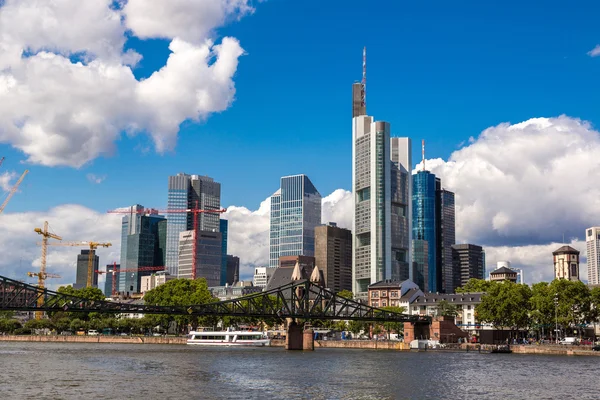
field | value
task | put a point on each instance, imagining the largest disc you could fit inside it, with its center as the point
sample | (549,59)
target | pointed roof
(504,270)
(297,274)
(566,249)
(315,277)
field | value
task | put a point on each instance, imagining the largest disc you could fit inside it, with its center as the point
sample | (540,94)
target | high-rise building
(82,269)
(446,237)
(566,263)
(592,241)
(424,222)
(208,256)
(108,283)
(187,192)
(469,263)
(295,212)
(401,207)
(143,241)
(333,255)
(223,228)
(262,276)
(420,264)
(233,269)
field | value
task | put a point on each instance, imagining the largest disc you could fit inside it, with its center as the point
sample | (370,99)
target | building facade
(82,269)
(592,243)
(224,228)
(425,223)
(468,263)
(262,276)
(392,293)
(566,263)
(333,255)
(233,269)
(188,192)
(295,212)
(503,274)
(150,282)
(445,238)
(208,256)
(420,263)
(110,275)
(401,208)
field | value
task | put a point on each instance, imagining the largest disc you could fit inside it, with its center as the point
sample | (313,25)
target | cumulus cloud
(95,178)
(595,52)
(20,253)
(6,179)
(67,91)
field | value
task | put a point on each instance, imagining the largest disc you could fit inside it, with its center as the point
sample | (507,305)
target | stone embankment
(95,339)
(352,344)
(540,349)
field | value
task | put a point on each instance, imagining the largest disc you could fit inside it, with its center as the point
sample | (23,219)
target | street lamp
(556,316)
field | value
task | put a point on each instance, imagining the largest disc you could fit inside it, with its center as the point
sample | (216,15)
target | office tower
(295,212)
(420,264)
(468,263)
(262,276)
(143,241)
(333,255)
(566,263)
(425,222)
(208,256)
(233,269)
(108,283)
(187,192)
(401,207)
(592,241)
(82,269)
(445,231)
(223,228)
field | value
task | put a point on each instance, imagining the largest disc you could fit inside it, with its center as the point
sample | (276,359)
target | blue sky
(436,71)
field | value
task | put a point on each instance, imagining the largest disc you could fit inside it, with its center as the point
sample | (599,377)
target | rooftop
(565,249)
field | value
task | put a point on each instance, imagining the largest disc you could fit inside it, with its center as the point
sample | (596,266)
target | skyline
(251,134)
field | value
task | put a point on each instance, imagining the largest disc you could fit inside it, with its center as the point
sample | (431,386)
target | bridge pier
(298,338)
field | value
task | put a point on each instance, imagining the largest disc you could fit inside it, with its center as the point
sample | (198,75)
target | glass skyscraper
(295,212)
(425,222)
(185,191)
(446,237)
(223,228)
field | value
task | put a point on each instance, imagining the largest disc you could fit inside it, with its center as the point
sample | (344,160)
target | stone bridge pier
(298,337)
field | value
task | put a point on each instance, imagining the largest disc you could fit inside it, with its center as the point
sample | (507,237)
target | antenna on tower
(423,152)
(364,79)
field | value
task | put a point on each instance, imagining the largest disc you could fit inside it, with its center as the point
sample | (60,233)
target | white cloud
(95,178)
(6,179)
(76,223)
(595,52)
(59,111)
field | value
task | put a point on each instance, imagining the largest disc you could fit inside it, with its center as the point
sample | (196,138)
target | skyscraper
(82,269)
(333,255)
(446,237)
(185,192)
(592,241)
(108,283)
(295,212)
(420,264)
(208,256)
(233,269)
(401,207)
(469,263)
(142,245)
(223,228)
(425,222)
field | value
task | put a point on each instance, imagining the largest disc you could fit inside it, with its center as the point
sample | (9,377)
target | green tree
(182,292)
(505,304)
(476,286)
(356,326)
(77,325)
(9,325)
(542,308)
(347,294)
(394,327)
(446,309)
(573,301)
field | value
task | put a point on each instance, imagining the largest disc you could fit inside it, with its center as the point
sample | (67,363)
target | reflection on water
(111,371)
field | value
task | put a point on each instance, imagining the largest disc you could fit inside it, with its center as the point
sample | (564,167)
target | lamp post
(556,317)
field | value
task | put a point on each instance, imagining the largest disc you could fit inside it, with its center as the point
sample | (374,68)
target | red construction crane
(114,273)
(194,211)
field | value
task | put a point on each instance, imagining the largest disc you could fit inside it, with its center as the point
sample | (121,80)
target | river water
(116,371)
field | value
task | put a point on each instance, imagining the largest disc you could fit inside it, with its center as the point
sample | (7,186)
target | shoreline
(329,344)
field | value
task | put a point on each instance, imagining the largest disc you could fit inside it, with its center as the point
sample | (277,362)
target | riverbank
(95,339)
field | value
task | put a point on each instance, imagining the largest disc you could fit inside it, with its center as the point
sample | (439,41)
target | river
(115,371)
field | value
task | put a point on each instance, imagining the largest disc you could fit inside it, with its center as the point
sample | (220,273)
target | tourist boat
(229,338)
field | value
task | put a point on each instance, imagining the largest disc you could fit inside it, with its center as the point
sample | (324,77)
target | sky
(102,101)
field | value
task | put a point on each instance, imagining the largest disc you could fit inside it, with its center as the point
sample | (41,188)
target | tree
(542,307)
(446,309)
(476,286)
(573,301)
(347,294)
(394,327)
(356,326)
(182,292)
(505,304)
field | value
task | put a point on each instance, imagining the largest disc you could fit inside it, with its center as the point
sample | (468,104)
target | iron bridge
(300,299)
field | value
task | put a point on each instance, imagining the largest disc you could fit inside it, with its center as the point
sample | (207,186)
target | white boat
(229,338)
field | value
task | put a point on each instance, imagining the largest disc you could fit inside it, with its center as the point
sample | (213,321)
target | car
(596,347)
(569,340)
(92,332)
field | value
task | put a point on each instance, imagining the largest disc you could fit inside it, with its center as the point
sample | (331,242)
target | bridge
(299,300)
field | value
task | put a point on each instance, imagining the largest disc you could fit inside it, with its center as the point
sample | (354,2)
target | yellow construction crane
(13,190)
(93,246)
(42,275)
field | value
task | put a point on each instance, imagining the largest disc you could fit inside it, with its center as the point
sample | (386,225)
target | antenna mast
(364,80)
(423,152)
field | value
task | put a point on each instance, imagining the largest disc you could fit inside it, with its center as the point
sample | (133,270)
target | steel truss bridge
(297,300)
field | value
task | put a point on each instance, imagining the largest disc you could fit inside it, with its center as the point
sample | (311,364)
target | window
(383,293)
(394,293)
(383,303)
(468,307)
(375,294)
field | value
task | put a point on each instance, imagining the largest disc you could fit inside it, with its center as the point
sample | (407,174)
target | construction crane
(93,246)
(195,211)
(1,161)
(13,190)
(42,275)
(114,273)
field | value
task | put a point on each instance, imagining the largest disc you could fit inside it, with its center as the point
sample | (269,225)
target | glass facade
(425,222)
(420,264)
(445,239)
(223,229)
(295,212)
